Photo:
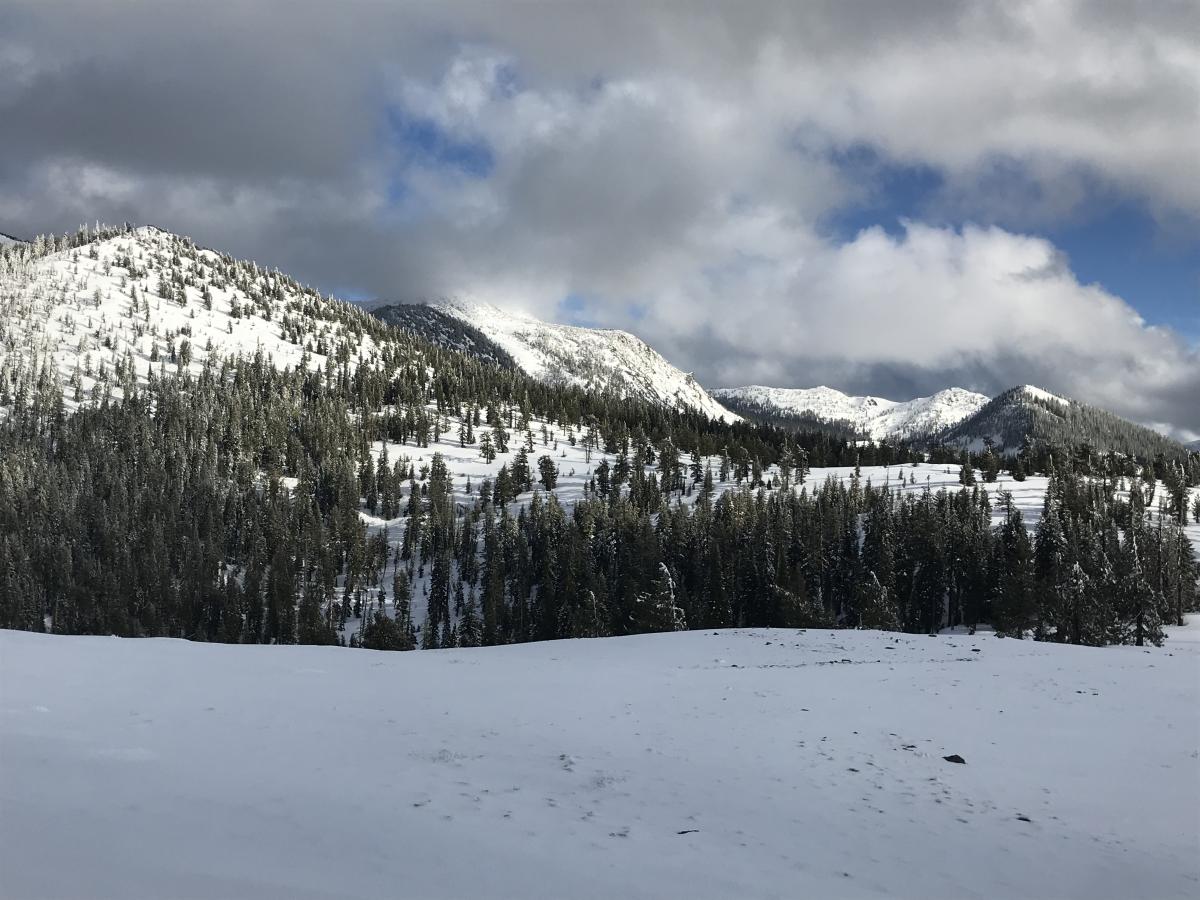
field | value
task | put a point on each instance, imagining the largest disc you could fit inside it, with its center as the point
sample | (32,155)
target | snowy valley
(112,311)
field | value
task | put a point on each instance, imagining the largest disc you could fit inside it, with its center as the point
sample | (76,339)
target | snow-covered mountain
(7,239)
(92,308)
(1031,412)
(872,417)
(592,358)
(1194,446)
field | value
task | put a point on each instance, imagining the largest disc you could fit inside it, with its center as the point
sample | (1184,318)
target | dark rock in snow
(955,758)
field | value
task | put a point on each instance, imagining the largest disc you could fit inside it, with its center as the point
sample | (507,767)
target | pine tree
(966,473)
(1139,603)
(486,449)
(877,609)
(548,472)
(1014,608)
(657,609)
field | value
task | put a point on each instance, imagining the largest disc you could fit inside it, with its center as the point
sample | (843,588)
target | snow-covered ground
(874,417)
(702,764)
(593,358)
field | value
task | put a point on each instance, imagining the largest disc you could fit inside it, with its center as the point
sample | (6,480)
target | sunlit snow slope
(154,301)
(597,359)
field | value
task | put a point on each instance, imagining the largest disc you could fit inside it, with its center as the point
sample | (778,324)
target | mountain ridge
(99,303)
(594,359)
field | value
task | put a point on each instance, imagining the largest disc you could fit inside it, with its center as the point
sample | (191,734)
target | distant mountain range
(601,359)
(872,417)
(953,416)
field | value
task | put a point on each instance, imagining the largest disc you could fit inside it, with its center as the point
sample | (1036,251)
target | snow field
(755,763)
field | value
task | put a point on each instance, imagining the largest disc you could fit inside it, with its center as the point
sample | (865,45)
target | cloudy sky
(884,197)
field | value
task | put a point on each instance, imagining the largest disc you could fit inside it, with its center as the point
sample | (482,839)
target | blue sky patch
(1116,243)
(425,143)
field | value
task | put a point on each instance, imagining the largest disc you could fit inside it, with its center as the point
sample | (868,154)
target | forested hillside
(195,447)
(1027,414)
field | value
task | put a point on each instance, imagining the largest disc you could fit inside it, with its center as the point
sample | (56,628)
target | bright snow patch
(731,764)
(1038,394)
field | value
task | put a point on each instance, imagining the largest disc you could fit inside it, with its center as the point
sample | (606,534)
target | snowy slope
(87,310)
(597,359)
(7,239)
(749,764)
(873,417)
(1194,445)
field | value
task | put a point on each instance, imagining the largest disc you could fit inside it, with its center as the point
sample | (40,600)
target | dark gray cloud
(669,164)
